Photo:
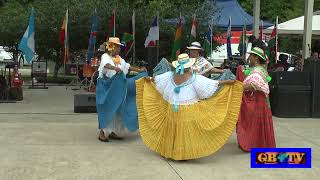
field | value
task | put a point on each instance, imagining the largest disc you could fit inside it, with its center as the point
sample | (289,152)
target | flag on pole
(229,51)
(261,31)
(93,36)
(153,35)
(63,38)
(112,25)
(242,47)
(177,40)
(208,41)
(128,38)
(194,29)
(273,46)
(27,45)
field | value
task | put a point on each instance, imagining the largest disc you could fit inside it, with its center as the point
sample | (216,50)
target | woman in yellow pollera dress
(186,116)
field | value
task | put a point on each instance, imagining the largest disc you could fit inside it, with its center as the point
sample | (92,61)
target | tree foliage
(14,16)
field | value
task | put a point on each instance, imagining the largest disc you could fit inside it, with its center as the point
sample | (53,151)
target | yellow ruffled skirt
(194,131)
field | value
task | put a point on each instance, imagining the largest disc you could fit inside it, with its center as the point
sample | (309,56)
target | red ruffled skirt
(255,125)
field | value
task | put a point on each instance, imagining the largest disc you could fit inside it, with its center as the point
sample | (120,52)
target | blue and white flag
(26,44)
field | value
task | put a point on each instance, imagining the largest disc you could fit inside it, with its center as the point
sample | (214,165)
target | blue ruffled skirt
(116,98)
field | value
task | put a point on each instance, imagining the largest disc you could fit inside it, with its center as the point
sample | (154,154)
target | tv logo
(281,158)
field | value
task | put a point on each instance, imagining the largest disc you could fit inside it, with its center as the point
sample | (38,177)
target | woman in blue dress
(115,94)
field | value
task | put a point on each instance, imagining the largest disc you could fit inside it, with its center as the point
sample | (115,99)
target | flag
(272,47)
(63,38)
(153,34)
(93,37)
(26,44)
(194,29)
(261,31)
(229,51)
(208,41)
(112,25)
(177,40)
(242,48)
(127,39)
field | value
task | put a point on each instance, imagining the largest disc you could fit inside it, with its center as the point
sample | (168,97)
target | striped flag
(153,35)
(112,25)
(63,38)
(27,45)
(261,31)
(242,47)
(194,29)
(208,41)
(177,40)
(93,36)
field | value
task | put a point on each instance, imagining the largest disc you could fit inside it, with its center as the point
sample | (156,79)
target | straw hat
(183,62)
(114,40)
(195,46)
(259,52)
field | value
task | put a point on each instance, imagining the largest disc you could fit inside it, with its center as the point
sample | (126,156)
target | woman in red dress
(255,126)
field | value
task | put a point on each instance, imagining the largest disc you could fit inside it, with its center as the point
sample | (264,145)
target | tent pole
(256,16)
(307,32)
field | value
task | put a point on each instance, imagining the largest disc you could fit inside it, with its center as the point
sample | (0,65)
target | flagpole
(134,36)
(262,30)
(114,23)
(276,58)
(65,43)
(95,13)
(158,42)
(211,22)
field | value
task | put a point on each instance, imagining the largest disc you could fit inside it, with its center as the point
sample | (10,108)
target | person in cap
(183,115)
(202,65)
(255,126)
(115,94)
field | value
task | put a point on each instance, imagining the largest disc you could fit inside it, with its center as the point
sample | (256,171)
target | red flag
(261,31)
(112,25)
(63,38)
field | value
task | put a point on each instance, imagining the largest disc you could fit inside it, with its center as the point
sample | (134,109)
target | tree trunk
(58,65)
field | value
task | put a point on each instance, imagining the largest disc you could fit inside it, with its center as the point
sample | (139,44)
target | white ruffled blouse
(107,59)
(196,88)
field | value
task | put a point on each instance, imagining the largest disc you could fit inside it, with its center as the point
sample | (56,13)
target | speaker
(85,103)
(290,101)
(313,67)
(290,78)
(39,68)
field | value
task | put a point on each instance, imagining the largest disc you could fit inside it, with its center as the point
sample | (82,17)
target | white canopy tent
(296,26)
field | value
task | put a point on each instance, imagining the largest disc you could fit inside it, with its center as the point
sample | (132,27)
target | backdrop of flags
(27,44)
(93,36)
(63,38)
